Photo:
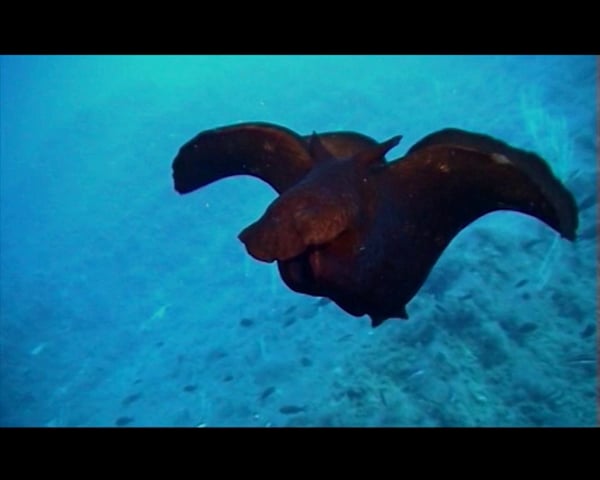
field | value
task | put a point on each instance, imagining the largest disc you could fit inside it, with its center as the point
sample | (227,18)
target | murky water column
(597,247)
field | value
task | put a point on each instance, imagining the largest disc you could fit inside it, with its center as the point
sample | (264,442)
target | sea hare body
(359,230)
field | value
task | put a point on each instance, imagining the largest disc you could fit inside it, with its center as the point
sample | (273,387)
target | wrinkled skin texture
(363,232)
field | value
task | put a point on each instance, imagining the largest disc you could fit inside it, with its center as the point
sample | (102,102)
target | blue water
(124,303)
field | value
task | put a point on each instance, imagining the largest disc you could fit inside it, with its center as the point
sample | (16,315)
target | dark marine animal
(364,232)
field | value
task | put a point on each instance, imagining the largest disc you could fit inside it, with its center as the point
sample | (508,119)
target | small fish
(129,399)
(292,409)
(246,322)
(38,349)
(343,338)
(521,283)
(587,202)
(588,233)
(416,374)
(382,397)
(160,313)
(504,274)
(213,356)
(441,308)
(527,327)
(323,301)
(267,392)
(588,331)
(306,362)
(529,244)
(582,360)
(123,421)
(155,318)
(289,322)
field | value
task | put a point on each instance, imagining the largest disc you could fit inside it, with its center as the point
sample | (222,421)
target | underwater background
(125,304)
